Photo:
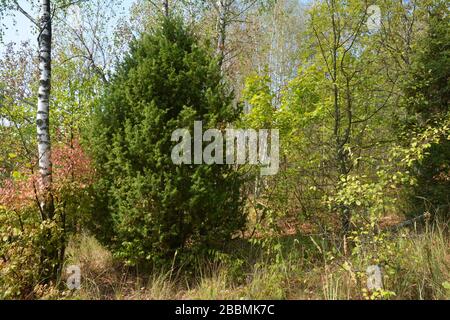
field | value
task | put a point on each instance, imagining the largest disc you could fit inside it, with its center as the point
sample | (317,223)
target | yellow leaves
(16,175)
(346,266)
(12,155)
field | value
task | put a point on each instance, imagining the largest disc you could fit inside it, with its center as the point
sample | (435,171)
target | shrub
(25,237)
(155,207)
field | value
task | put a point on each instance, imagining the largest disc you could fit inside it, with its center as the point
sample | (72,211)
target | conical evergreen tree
(156,207)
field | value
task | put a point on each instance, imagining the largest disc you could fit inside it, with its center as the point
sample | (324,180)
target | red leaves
(71,165)
(16,194)
(71,169)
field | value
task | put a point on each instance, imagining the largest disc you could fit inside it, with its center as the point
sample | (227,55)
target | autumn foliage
(71,169)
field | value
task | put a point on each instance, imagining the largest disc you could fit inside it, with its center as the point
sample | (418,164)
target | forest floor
(415,265)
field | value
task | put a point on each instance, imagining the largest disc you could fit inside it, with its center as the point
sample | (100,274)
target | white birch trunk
(43,109)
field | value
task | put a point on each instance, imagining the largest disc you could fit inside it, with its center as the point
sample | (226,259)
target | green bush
(23,238)
(156,208)
(427,94)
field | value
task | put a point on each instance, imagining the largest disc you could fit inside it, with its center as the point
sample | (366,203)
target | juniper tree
(157,208)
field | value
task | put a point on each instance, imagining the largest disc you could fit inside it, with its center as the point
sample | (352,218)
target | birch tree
(51,255)
(44,25)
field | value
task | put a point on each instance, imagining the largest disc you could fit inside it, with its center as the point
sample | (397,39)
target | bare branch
(26,14)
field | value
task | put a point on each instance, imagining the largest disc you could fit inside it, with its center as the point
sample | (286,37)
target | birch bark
(43,109)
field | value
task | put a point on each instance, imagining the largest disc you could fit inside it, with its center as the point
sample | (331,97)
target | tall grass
(420,270)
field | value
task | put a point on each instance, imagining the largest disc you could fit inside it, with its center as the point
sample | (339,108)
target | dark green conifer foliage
(428,95)
(155,207)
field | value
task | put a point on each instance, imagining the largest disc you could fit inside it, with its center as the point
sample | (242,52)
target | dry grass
(421,268)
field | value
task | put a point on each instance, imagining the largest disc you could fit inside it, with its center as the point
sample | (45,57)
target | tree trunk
(222,7)
(42,119)
(166,7)
(49,252)
(340,139)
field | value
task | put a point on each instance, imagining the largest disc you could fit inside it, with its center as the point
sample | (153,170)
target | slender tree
(51,257)
(43,109)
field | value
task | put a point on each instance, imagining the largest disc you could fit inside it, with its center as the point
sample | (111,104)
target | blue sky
(23,30)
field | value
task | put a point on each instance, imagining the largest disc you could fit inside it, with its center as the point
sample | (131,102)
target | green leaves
(427,94)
